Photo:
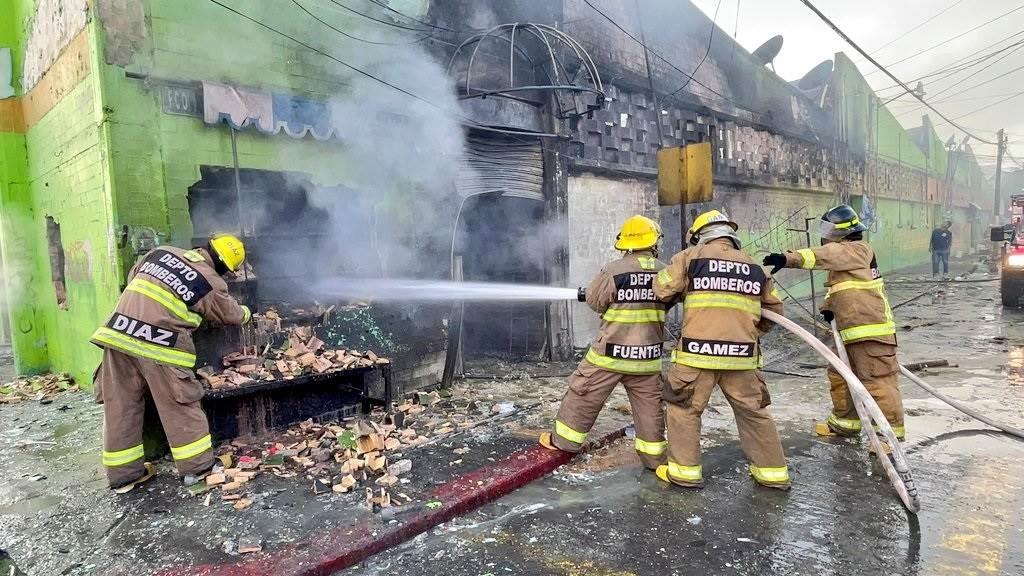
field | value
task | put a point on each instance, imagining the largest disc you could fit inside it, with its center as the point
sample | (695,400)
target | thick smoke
(393,210)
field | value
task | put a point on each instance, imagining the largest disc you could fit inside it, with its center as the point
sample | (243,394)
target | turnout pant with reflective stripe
(122,382)
(589,388)
(875,364)
(687,392)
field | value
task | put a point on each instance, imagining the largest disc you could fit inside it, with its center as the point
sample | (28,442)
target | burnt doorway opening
(501,239)
(290,241)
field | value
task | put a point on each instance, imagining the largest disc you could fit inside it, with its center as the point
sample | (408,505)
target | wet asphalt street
(605,515)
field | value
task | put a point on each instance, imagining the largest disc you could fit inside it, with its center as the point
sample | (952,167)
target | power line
(472,123)
(987,106)
(666,60)
(980,70)
(983,82)
(849,41)
(900,100)
(904,34)
(963,90)
(347,35)
(711,36)
(417,20)
(367,16)
(948,40)
(966,61)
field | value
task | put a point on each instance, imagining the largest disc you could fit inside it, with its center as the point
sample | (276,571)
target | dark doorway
(501,240)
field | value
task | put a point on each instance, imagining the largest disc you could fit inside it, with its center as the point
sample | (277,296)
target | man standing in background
(942,240)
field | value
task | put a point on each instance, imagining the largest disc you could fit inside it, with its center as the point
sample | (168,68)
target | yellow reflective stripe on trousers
(664,277)
(685,473)
(646,262)
(771,475)
(847,424)
(142,349)
(246,314)
(734,301)
(715,362)
(165,298)
(809,260)
(624,366)
(651,448)
(857,285)
(563,430)
(868,331)
(192,449)
(642,316)
(122,457)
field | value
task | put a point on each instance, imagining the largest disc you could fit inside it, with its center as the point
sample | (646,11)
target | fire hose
(870,414)
(1016,432)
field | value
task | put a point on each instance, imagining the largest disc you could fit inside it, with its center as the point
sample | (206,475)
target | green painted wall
(61,174)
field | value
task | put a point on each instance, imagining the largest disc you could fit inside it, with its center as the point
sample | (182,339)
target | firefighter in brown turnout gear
(856,300)
(627,348)
(722,291)
(148,348)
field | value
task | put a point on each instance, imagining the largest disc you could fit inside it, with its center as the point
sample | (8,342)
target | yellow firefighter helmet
(638,233)
(229,249)
(711,217)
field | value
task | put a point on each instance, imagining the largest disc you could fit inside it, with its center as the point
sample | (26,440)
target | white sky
(874,23)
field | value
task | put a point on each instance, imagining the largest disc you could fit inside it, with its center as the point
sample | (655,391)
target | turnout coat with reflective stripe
(169,292)
(632,317)
(856,291)
(722,291)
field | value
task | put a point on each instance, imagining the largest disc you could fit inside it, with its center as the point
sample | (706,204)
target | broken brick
(215,479)
(242,504)
(400,467)
(247,547)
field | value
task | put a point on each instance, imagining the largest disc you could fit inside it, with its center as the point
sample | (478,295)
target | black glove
(828,316)
(776,261)
(581,294)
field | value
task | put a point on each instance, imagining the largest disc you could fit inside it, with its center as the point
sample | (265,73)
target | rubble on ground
(367,453)
(40,389)
(303,353)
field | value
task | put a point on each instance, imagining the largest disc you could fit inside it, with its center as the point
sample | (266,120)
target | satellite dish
(818,76)
(767,52)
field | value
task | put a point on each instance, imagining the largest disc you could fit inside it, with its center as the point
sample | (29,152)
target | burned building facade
(494,141)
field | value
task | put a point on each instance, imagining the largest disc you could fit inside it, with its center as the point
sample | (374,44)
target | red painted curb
(340,549)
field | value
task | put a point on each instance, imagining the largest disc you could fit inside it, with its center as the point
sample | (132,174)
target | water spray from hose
(406,289)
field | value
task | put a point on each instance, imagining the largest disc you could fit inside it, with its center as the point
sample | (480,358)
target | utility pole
(997,209)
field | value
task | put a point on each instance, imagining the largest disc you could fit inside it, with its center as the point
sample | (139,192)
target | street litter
(41,388)
(340,457)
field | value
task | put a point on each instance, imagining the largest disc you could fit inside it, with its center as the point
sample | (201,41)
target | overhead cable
(351,36)
(472,123)
(915,28)
(711,36)
(946,41)
(669,62)
(849,41)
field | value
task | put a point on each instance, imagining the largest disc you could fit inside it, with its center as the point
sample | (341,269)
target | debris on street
(340,457)
(40,389)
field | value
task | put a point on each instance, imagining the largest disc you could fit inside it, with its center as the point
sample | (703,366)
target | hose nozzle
(581,294)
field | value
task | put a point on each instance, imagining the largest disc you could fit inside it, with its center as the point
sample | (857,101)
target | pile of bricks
(302,354)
